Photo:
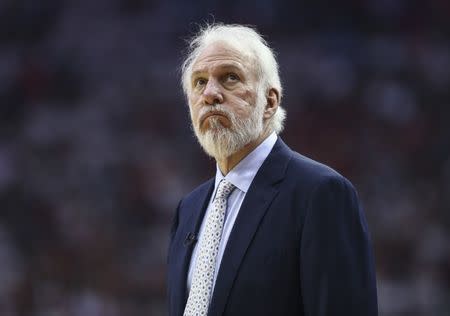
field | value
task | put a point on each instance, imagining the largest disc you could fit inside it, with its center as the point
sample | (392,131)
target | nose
(212,93)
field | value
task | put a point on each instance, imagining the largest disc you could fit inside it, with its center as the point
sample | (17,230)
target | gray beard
(221,142)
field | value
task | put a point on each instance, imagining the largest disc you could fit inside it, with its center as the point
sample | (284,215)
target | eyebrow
(221,67)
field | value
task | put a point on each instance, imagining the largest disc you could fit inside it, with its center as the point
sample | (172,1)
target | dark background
(96,148)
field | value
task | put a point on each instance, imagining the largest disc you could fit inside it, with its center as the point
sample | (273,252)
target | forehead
(222,55)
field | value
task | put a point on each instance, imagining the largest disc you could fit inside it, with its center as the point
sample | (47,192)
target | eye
(200,82)
(232,77)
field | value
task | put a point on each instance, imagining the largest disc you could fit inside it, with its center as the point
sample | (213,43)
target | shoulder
(329,197)
(311,168)
(327,193)
(311,175)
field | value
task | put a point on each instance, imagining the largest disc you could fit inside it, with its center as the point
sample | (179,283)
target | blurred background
(96,148)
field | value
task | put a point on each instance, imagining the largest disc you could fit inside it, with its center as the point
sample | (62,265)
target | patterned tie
(202,279)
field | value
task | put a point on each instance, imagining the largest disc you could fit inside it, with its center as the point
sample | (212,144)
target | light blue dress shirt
(241,176)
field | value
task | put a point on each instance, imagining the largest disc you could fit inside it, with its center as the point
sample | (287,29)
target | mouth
(212,113)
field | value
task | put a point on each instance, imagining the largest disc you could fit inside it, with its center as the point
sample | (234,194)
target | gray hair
(247,41)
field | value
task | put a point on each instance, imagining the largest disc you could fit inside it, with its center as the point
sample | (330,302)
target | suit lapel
(257,200)
(196,207)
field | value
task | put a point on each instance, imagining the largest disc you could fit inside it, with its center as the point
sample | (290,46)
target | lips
(212,113)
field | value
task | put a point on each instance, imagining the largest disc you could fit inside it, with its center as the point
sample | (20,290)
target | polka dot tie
(202,279)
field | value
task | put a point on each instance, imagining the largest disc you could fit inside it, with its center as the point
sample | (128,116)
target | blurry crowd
(96,148)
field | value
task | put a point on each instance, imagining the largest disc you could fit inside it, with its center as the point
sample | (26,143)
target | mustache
(216,109)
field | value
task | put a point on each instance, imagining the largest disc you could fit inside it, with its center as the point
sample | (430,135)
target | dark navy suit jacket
(299,246)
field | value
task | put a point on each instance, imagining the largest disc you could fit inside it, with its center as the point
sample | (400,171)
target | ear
(273,99)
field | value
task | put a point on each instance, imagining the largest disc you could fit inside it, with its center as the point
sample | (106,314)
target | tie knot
(224,190)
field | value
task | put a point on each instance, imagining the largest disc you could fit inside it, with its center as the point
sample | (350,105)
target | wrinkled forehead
(224,54)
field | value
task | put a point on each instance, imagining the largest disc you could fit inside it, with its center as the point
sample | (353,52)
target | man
(274,233)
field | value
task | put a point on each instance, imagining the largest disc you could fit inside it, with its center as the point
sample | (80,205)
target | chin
(219,143)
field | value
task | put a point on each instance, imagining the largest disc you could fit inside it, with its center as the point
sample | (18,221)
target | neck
(228,163)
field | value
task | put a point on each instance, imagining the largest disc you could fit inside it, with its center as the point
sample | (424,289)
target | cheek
(248,95)
(243,102)
(193,113)
(193,107)
(196,101)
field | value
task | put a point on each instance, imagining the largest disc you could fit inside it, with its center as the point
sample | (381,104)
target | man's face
(226,108)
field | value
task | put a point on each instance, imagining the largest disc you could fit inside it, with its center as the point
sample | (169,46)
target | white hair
(249,43)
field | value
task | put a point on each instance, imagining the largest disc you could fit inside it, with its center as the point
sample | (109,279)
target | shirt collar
(242,175)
